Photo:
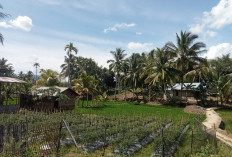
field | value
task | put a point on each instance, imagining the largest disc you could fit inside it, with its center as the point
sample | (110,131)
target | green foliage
(205,151)
(48,77)
(62,97)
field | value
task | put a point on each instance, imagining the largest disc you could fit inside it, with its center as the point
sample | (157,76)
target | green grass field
(133,108)
(172,112)
(10,102)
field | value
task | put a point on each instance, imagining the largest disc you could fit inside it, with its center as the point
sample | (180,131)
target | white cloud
(21,22)
(139,33)
(23,52)
(211,33)
(197,28)
(140,46)
(51,2)
(119,26)
(218,17)
(219,50)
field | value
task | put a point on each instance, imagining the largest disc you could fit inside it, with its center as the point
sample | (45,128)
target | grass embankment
(227,118)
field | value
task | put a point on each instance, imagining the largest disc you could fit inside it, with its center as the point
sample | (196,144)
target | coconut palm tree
(70,48)
(221,69)
(67,68)
(36,65)
(159,69)
(85,84)
(187,52)
(48,78)
(6,69)
(115,65)
(2,16)
(199,73)
(125,68)
(133,74)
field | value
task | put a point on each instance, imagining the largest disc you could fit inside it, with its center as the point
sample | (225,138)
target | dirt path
(213,120)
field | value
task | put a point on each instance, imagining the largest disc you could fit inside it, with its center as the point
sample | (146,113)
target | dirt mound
(194,109)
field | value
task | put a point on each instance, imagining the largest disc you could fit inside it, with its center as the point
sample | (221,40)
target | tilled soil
(195,109)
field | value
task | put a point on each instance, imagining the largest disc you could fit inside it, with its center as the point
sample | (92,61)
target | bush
(145,99)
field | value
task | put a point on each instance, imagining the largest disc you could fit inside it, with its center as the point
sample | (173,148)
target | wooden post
(70,133)
(162,142)
(1,102)
(58,146)
(191,141)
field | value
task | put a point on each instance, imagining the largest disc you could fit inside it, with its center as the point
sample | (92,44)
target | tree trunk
(87,104)
(82,103)
(125,97)
(164,97)
(186,99)
(115,88)
(149,94)
(221,99)
(78,102)
(1,99)
(181,88)
(69,80)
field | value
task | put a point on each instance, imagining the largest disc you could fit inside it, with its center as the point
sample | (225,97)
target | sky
(38,30)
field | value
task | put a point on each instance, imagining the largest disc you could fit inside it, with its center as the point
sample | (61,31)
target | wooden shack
(43,101)
(61,105)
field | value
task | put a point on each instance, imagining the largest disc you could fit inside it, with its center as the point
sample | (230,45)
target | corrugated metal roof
(11,80)
(186,86)
(62,89)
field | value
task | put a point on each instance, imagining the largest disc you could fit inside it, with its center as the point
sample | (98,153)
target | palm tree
(200,72)
(132,74)
(125,68)
(85,84)
(115,65)
(36,65)
(67,68)
(6,69)
(221,69)
(2,16)
(70,48)
(48,78)
(159,70)
(186,52)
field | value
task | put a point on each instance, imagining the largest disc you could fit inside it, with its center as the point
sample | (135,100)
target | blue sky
(38,30)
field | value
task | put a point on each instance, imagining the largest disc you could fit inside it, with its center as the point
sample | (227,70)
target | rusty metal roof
(10,80)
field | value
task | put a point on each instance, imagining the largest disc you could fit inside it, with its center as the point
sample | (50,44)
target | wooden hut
(51,103)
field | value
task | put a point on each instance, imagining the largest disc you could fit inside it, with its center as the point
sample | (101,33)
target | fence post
(1,138)
(70,133)
(58,146)
(191,141)
(215,137)
(103,154)
(162,131)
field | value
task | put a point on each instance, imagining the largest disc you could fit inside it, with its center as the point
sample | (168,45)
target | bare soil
(195,109)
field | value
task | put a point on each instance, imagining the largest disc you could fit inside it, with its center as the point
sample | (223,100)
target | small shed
(56,104)
(9,108)
(188,90)
(49,102)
